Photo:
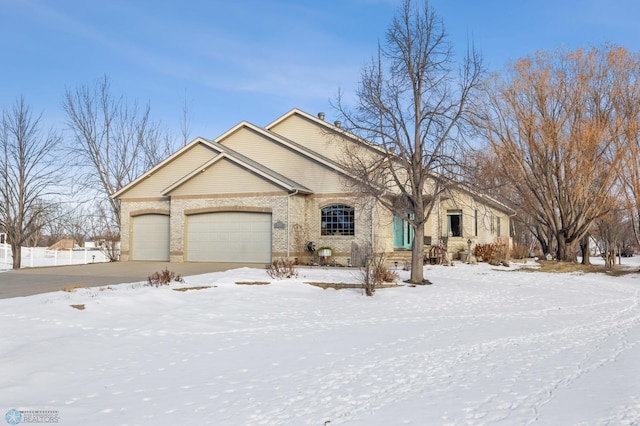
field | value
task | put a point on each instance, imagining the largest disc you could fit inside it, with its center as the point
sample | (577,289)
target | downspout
(373,231)
(438,221)
(289,221)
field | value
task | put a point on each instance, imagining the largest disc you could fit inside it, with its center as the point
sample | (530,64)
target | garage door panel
(229,237)
(150,237)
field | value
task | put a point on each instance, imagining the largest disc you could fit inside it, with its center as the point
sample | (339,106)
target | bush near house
(495,253)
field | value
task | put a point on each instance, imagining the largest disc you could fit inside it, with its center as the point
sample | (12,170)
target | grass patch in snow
(339,286)
(561,267)
(71,288)
(621,270)
(202,287)
(78,307)
(252,282)
(571,267)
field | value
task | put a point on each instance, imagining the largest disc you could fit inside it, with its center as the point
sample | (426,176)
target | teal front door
(402,233)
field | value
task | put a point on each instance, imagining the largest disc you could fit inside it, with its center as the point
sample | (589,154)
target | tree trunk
(566,250)
(609,258)
(584,248)
(545,245)
(16,252)
(417,256)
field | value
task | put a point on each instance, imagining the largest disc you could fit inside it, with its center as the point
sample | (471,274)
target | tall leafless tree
(552,123)
(114,141)
(30,177)
(483,176)
(411,101)
(628,105)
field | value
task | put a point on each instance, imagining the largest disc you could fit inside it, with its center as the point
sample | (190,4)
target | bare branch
(114,140)
(410,106)
(29,175)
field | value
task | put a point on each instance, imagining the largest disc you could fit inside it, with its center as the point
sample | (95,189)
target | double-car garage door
(229,237)
(243,237)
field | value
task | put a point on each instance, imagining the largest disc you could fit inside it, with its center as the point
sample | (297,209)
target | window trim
(326,230)
(451,213)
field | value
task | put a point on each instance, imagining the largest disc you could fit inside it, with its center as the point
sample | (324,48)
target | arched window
(337,219)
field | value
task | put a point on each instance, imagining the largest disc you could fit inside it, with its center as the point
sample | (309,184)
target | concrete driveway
(29,281)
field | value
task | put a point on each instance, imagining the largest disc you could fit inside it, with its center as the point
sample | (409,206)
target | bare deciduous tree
(410,105)
(113,140)
(29,175)
(628,103)
(552,123)
(611,230)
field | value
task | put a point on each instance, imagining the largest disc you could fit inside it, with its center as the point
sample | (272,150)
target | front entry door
(402,233)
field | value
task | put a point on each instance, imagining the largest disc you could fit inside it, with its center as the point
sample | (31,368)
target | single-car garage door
(229,237)
(150,237)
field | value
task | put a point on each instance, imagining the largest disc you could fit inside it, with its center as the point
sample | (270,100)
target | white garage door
(229,237)
(150,237)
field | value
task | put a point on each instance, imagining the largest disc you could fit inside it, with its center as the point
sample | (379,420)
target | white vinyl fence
(40,256)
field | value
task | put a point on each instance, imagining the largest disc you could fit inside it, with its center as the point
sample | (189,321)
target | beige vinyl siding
(486,219)
(309,134)
(170,173)
(285,161)
(225,177)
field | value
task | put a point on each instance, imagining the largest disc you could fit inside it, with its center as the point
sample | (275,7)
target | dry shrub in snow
(281,268)
(383,275)
(164,277)
(483,251)
(518,251)
(496,253)
(500,255)
(376,273)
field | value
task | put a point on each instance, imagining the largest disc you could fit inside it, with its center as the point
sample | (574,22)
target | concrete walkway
(29,281)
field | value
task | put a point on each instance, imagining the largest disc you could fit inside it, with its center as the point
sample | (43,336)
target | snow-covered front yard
(482,345)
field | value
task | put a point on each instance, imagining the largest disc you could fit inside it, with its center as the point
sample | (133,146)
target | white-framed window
(337,219)
(454,223)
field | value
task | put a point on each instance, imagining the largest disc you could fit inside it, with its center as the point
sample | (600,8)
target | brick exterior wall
(276,205)
(304,214)
(341,245)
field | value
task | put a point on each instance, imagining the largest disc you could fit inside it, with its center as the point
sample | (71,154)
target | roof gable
(227,156)
(152,182)
(286,157)
(289,125)
(192,159)
(224,176)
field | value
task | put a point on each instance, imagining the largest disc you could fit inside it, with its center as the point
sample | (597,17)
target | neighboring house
(258,194)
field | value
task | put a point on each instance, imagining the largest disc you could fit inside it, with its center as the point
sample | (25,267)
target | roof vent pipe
(337,123)
(321,115)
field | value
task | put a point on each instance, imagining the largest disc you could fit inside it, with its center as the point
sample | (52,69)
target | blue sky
(254,60)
